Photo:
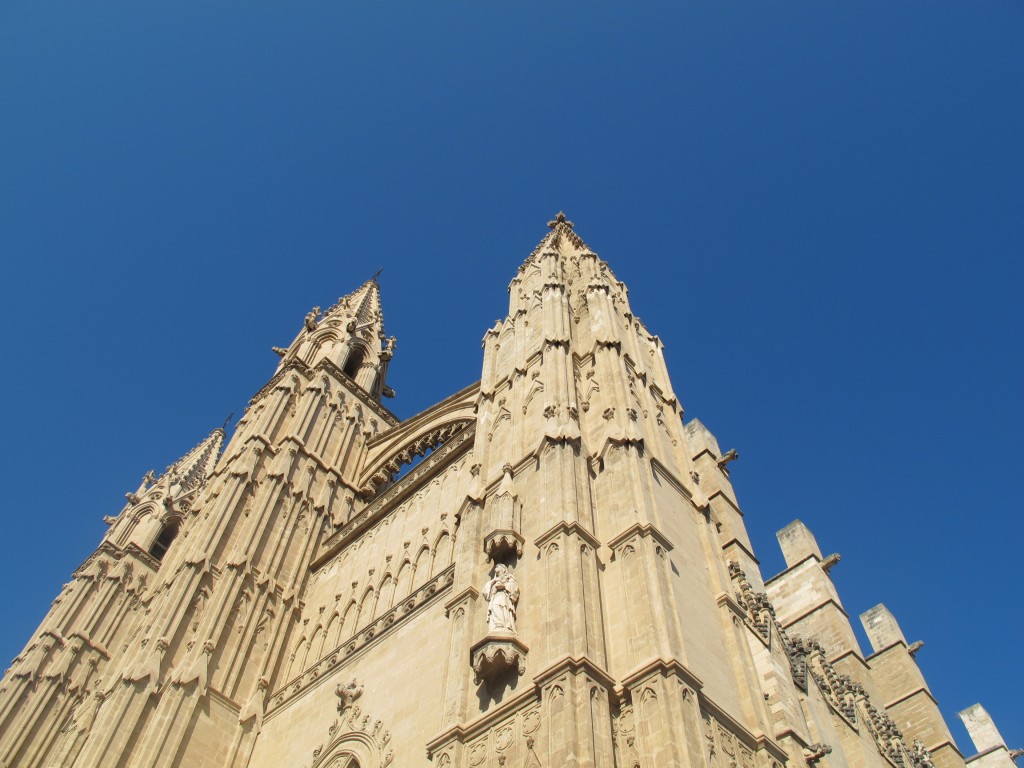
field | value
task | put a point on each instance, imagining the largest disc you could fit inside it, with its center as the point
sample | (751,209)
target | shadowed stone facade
(564,580)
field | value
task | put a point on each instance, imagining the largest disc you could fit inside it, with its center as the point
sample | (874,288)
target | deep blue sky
(817,205)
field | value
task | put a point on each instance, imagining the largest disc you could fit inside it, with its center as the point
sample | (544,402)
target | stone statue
(502,595)
(311,319)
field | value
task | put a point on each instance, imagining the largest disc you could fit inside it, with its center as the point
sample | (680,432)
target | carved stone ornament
(348,694)
(495,655)
(500,544)
(815,752)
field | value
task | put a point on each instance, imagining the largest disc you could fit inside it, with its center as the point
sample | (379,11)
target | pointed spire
(360,309)
(191,470)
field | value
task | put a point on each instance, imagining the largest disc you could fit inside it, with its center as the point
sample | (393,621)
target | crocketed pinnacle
(191,470)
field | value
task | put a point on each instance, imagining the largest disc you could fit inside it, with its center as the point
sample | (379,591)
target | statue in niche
(502,596)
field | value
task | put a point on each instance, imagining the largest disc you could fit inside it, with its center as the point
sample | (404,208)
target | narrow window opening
(354,363)
(163,541)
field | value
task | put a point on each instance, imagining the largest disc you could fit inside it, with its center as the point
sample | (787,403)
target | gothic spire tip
(560,219)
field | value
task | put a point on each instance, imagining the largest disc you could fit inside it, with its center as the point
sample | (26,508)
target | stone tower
(564,579)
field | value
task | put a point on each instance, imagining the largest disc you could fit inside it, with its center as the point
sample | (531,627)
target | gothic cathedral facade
(563,580)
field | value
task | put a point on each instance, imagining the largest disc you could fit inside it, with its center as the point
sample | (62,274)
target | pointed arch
(422,566)
(365,608)
(403,584)
(348,620)
(331,640)
(138,521)
(316,640)
(297,658)
(442,552)
(384,591)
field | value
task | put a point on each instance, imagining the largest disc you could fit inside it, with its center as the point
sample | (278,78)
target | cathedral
(547,568)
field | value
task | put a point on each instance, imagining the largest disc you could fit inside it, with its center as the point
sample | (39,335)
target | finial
(377,274)
(560,219)
(225,426)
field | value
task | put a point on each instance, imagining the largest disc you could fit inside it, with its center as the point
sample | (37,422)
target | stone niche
(503,542)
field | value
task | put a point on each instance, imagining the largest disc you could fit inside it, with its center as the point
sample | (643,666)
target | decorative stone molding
(347,694)
(357,736)
(495,655)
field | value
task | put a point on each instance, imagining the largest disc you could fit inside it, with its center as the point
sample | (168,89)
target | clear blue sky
(817,205)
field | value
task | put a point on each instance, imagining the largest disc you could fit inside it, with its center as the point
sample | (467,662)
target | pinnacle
(562,231)
(194,467)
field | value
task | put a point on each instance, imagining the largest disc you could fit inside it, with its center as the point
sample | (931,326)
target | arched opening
(354,362)
(163,541)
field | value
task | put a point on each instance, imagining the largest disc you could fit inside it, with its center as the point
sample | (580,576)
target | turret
(350,335)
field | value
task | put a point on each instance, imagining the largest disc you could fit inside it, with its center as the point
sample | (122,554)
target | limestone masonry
(564,580)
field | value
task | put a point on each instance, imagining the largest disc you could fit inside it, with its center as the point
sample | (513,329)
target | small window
(163,541)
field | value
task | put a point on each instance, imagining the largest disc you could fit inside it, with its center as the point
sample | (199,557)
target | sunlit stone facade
(564,580)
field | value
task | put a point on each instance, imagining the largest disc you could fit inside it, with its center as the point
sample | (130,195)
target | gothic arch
(332,635)
(319,341)
(348,620)
(297,658)
(421,567)
(442,552)
(403,584)
(384,591)
(365,608)
(313,648)
(136,517)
